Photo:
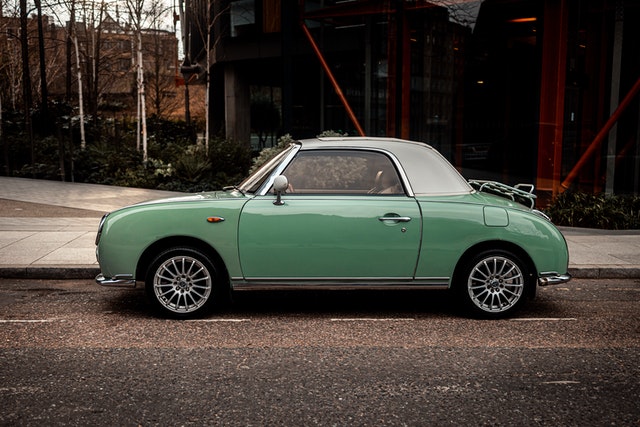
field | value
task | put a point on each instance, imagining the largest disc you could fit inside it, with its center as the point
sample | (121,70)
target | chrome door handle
(395,218)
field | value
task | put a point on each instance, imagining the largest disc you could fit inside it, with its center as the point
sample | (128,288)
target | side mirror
(280,185)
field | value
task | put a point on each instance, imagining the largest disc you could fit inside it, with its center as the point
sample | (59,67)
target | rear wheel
(181,282)
(494,284)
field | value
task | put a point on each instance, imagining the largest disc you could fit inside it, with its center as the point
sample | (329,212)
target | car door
(346,216)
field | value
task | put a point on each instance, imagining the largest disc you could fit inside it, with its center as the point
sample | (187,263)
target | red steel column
(552,93)
(333,80)
(597,141)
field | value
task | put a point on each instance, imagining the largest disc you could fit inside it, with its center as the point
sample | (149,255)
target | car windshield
(256,179)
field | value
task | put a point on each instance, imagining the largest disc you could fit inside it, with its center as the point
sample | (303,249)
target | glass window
(243,17)
(343,172)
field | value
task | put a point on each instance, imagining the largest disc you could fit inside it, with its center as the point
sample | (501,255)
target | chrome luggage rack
(521,193)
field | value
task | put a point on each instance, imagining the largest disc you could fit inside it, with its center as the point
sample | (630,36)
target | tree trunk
(44,106)
(5,148)
(26,79)
(141,96)
(83,141)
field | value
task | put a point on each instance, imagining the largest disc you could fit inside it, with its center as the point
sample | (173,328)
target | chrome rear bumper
(120,281)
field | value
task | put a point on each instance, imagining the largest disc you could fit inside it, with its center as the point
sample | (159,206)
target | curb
(49,272)
(612,272)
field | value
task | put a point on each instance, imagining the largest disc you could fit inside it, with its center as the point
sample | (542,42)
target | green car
(338,213)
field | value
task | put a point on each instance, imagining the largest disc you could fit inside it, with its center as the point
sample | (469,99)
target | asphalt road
(72,353)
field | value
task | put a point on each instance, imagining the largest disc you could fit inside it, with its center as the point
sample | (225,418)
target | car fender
(453,228)
(129,233)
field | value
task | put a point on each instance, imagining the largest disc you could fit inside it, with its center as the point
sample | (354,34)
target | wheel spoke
(487,295)
(162,294)
(171,272)
(500,271)
(487,268)
(513,278)
(168,279)
(191,265)
(508,272)
(189,296)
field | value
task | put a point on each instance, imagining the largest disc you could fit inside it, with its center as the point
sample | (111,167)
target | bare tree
(70,8)
(44,92)
(161,79)
(27,94)
(92,25)
(136,14)
(10,68)
(10,76)
(210,14)
(73,32)
(184,41)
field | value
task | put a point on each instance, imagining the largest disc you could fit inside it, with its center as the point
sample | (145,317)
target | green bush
(174,163)
(194,170)
(111,157)
(576,209)
(270,152)
(46,163)
(330,133)
(112,164)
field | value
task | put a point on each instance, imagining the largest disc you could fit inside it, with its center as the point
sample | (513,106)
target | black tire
(181,283)
(494,284)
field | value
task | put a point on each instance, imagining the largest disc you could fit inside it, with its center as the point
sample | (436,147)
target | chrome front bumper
(117,281)
(553,279)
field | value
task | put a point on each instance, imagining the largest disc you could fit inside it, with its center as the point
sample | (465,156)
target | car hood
(188,198)
(196,197)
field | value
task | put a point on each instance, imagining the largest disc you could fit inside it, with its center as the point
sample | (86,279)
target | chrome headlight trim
(100,227)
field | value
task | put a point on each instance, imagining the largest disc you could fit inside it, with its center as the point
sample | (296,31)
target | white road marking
(370,319)
(561,382)
(545,319)
(29,320)
(219,320)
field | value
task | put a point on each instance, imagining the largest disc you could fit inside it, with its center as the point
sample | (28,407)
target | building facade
(539,91)
(107,62)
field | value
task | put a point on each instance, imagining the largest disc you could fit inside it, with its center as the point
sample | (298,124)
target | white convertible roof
(428,172)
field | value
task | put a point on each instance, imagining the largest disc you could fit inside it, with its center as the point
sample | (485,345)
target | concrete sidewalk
(48,228)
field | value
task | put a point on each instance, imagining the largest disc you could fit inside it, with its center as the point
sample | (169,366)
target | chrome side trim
(337,283)
(119,280)
(553,278)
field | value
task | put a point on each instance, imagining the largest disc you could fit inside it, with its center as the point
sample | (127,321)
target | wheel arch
(496,245)
(166,243)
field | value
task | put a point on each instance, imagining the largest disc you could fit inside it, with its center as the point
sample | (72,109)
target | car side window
(343,172)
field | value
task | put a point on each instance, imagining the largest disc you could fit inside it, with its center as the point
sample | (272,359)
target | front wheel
(180,282)
(494,284)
